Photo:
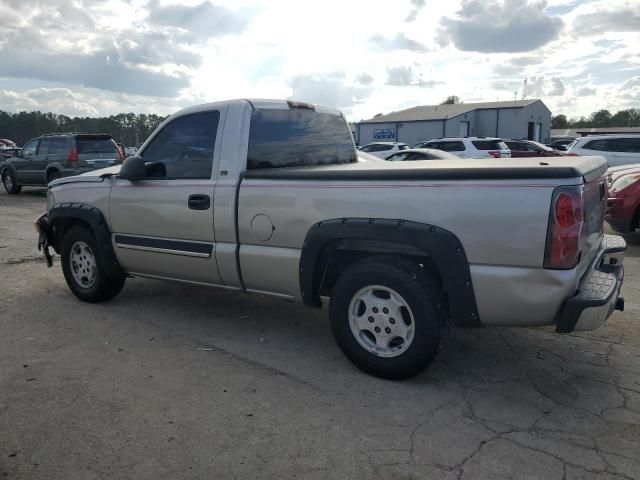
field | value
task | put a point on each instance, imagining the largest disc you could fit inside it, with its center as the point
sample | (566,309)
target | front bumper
(43,230)
(599,290)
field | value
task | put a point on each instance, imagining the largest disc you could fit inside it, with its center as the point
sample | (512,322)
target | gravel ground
(171,381)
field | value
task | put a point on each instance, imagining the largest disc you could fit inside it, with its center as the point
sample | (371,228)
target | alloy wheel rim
(8,182)
(83,264)
(381,321)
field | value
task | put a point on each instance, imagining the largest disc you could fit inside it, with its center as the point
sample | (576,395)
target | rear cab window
(298,137)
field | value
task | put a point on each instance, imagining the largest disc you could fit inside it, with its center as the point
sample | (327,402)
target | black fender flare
(61,213)
(440,245)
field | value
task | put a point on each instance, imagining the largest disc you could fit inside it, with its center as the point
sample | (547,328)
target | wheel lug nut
(370,319)
(385,310)
(375,309)
(377,329)
(388,330)
(392,321)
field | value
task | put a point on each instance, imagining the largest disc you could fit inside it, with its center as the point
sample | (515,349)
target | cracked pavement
(171,381)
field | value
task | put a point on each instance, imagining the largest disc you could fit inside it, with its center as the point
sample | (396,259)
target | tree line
(599,119)
(128,128)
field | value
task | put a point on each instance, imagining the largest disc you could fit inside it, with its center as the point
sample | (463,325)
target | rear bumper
(599,290)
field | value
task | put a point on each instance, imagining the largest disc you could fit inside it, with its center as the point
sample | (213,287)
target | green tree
(601,118)
(451,100)
(559,121)
(626,118)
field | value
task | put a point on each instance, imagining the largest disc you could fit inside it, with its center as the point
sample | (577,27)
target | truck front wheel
(386,317)
(84,270)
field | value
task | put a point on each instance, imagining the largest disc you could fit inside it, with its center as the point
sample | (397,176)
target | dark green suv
(56,155)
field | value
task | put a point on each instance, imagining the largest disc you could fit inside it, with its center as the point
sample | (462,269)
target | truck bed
(587,168)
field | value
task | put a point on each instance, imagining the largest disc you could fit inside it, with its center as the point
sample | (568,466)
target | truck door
(24,163)
(39,161)
(163,225)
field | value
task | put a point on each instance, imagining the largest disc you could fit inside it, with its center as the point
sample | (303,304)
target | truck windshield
(295,138)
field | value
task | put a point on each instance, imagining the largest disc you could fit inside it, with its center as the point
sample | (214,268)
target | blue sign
(384,133)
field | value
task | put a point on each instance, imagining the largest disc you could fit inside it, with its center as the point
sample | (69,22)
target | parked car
(469,147)
(57,155)
(367,157)
(128,151)
(420,154)
(561,144)
(383,149)
(9,152)
(623,204)
(617,149)
(529,148)
(297,217)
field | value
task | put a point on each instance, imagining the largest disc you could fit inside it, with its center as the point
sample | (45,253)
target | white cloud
(399,42)
(585,91)
(413,13)
(331,90)
(500,26)
(107,56)
(405,77)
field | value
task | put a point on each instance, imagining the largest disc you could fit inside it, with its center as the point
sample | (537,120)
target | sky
(102,57)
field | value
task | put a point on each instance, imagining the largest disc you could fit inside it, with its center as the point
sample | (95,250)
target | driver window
(29,150)
(184,147)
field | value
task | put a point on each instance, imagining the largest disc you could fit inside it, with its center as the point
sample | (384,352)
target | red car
(623,204)
(528,148)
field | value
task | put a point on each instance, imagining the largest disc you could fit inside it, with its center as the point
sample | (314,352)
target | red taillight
(494,153)
(571,154)
(565,226)
(120,153)
(73,155)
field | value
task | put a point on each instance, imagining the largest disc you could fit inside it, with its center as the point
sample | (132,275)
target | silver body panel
(502,224)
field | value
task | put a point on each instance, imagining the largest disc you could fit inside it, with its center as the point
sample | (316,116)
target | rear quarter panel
(502,225)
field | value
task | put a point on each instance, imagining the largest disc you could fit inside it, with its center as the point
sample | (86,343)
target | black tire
(418,289)
(53,175)
(103,287)
(10,183)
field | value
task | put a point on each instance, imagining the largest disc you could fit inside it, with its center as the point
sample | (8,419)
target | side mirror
(133,168)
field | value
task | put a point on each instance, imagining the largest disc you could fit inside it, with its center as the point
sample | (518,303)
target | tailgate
(595,204)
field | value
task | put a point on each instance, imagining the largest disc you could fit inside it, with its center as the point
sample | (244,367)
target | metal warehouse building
(517,119)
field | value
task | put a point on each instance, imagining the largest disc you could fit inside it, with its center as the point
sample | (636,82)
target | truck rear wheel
(84,270)
(386,317)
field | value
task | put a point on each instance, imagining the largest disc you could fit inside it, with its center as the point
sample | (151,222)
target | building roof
(576,132)
(442,112)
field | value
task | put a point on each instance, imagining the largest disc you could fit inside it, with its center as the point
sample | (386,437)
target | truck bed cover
(587,168)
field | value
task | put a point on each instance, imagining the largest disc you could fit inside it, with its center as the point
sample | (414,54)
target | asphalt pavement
(174,381)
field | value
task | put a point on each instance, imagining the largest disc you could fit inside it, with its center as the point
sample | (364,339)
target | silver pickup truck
(269,197)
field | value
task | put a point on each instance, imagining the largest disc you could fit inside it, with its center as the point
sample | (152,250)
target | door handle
(199,202)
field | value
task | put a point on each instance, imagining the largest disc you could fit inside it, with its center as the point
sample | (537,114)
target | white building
(519,119)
